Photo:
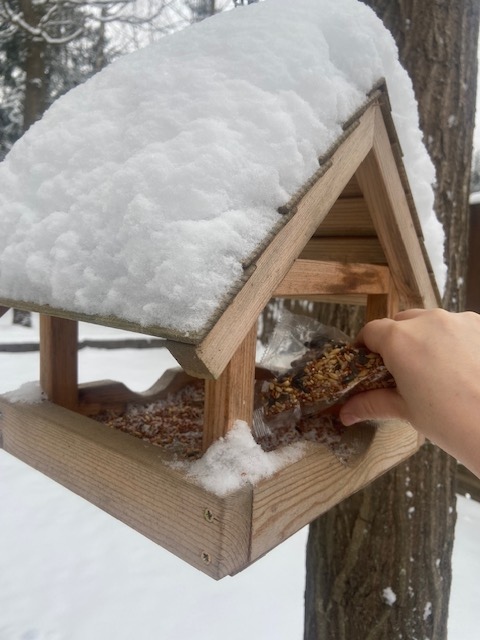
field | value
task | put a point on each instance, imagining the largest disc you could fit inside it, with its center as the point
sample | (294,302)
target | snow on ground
(68,571)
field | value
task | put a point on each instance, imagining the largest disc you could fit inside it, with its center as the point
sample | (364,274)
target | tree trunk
(379,564)
(34,98)
(35,90)
(437,42)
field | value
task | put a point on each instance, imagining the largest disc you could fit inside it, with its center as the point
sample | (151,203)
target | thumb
(374,405)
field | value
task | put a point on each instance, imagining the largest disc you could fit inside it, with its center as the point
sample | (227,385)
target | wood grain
(382,188)
(316,277)
(348,216)
(109,394)
(301,492)
(352,189)
(131,481)
(230,397)
(58,360)
(344,249)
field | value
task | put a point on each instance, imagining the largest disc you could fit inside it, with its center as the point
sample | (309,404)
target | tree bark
(35,90)
(437,41)
(379,564)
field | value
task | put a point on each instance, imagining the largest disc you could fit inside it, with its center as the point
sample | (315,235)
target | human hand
(434,357)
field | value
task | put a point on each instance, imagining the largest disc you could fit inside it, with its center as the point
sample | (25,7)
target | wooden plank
(380,306)
(359,299)
(352,189)
(103,394)
(58,360)
(313,277)
(384,305)
(344,249)
(130,480)
(379,180)
(301,492)
(107,321)
(216,349)
(230,397)
(347,216)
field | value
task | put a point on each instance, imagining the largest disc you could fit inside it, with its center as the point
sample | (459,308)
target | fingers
(381,404)
(408,314)
(375,333)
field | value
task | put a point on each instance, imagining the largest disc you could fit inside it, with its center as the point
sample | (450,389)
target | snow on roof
(140,193)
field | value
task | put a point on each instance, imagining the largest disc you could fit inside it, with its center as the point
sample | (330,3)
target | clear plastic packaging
(314,368)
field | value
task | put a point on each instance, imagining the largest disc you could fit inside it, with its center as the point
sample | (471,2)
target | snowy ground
(70,572)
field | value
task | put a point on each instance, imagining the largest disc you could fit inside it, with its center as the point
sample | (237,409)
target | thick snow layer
(141,192)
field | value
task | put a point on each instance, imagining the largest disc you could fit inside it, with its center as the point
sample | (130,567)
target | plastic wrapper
(314,368)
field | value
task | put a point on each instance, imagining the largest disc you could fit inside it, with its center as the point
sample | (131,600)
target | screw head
(206,557)
(208,515)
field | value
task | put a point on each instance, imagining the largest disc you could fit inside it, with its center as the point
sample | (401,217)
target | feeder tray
(350,235)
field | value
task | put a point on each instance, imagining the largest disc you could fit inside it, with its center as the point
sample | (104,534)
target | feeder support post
(231,396)
(384,305)
(58,360)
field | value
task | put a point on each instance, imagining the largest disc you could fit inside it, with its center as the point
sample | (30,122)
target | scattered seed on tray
(323,377)
(175,423)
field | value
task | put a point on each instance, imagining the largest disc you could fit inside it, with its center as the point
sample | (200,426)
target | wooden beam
(315,277)
(106,321)
(366,250)
(187,357)
(382,305)
(230,397)
(352,189)
(347,216)
(103,394)
(382,188)
(58,360)
(216,349)
(359,300)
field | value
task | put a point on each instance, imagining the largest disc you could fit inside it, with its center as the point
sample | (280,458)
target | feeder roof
(144,196)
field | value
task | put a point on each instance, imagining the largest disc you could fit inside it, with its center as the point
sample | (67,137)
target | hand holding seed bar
(326,374)
(434,357)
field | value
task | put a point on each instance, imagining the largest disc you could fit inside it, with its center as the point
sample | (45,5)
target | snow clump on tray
(141,193)
(27,393)
(236,460)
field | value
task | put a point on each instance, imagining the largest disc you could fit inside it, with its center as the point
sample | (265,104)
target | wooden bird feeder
(350,235)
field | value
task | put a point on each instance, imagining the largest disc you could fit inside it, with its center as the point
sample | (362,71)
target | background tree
(49,47)
(398,533)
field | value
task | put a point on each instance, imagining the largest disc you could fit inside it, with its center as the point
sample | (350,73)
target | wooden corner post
(231,397)
(58,360)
